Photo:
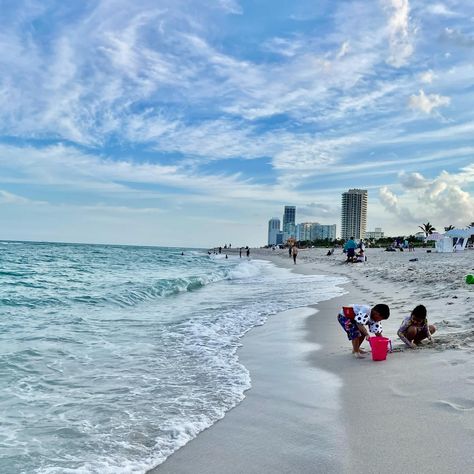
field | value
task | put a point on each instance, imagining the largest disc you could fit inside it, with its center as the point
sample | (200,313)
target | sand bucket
(470,279)
(380,346)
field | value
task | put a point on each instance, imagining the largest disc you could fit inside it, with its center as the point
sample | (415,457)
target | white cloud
(288,47)
(441,200)
(412,180)
(231,6)
(400,35)
(427,103)
(345,48)
(441,9)
(10,198)
(427,77)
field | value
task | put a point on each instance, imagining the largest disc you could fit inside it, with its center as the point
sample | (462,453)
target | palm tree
(471,224)
(448,228)
(427,228)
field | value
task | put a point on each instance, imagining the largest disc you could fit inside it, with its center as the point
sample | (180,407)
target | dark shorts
(421,334)
(350,252)
(349,326)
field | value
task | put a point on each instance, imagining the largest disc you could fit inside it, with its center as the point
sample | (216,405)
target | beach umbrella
(465,233)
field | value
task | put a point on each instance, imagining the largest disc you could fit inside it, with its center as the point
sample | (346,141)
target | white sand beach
(412,413)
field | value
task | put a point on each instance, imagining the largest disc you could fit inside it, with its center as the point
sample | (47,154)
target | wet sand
(314,408)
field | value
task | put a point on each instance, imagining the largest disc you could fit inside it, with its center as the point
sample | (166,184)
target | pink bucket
(380,346)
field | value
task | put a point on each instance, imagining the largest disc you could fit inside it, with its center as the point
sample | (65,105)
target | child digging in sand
(415,328)
(355,318)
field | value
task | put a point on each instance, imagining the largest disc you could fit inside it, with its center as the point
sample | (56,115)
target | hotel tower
(354,214)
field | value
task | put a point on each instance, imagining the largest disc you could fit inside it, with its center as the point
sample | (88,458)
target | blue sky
(194,122)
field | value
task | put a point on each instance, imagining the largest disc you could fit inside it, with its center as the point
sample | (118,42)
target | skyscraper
(354,214)
(289,217)
(273,230)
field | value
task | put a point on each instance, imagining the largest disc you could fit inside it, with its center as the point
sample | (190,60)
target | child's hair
(419,313)
(383,310)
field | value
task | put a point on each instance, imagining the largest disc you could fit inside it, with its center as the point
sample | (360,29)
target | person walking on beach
(358,320)
(248,252)
(294,253)
(240,252)
(415,328)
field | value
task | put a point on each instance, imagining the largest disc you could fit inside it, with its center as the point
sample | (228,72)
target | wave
(69,292)
(134,294)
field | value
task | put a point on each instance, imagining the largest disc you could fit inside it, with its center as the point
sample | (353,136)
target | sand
(314,408)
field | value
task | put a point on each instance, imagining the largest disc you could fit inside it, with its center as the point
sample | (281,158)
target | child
(415,328)
(355,318)
(361,257)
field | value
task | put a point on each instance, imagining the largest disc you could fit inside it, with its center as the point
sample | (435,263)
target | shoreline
(419,403)
(289,418)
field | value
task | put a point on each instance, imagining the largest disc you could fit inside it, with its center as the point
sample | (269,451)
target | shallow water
(112,357)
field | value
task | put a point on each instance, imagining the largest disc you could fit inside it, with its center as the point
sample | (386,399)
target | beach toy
(379,346)
(470,279)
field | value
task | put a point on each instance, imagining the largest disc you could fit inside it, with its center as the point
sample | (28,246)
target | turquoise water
(112,357)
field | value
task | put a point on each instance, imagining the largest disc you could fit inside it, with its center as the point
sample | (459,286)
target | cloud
(412,180)
(457,37)
(288,47)
(448,200)
(427,103)
(318,210)
(440,200)
(400,34)
(441,9)
(388,199)
(345,48)
(427,77)
(9,198)
(231,6)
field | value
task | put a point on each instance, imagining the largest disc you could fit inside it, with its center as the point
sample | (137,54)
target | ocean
(112,357)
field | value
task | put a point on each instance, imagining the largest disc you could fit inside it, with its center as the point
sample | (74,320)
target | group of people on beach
(350,248)
(358,321)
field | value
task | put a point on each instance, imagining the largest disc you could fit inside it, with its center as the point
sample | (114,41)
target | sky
(192,123)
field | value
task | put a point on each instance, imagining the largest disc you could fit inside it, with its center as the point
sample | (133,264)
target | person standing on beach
(248,252)
(350,247)
(240,252)
(294,253)
(358,320)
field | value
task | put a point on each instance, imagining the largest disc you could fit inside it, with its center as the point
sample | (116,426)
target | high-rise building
(315,231)
(289,217)
(303,231)
(377,233)
(354,214)
(273,230)
(322,232)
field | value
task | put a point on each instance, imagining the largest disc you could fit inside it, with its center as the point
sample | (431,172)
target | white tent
(459,238)
(444,245)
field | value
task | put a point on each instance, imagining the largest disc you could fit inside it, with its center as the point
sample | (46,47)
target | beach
(314,408)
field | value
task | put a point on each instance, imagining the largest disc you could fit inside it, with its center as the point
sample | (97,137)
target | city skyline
(301,231)
(188,123)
